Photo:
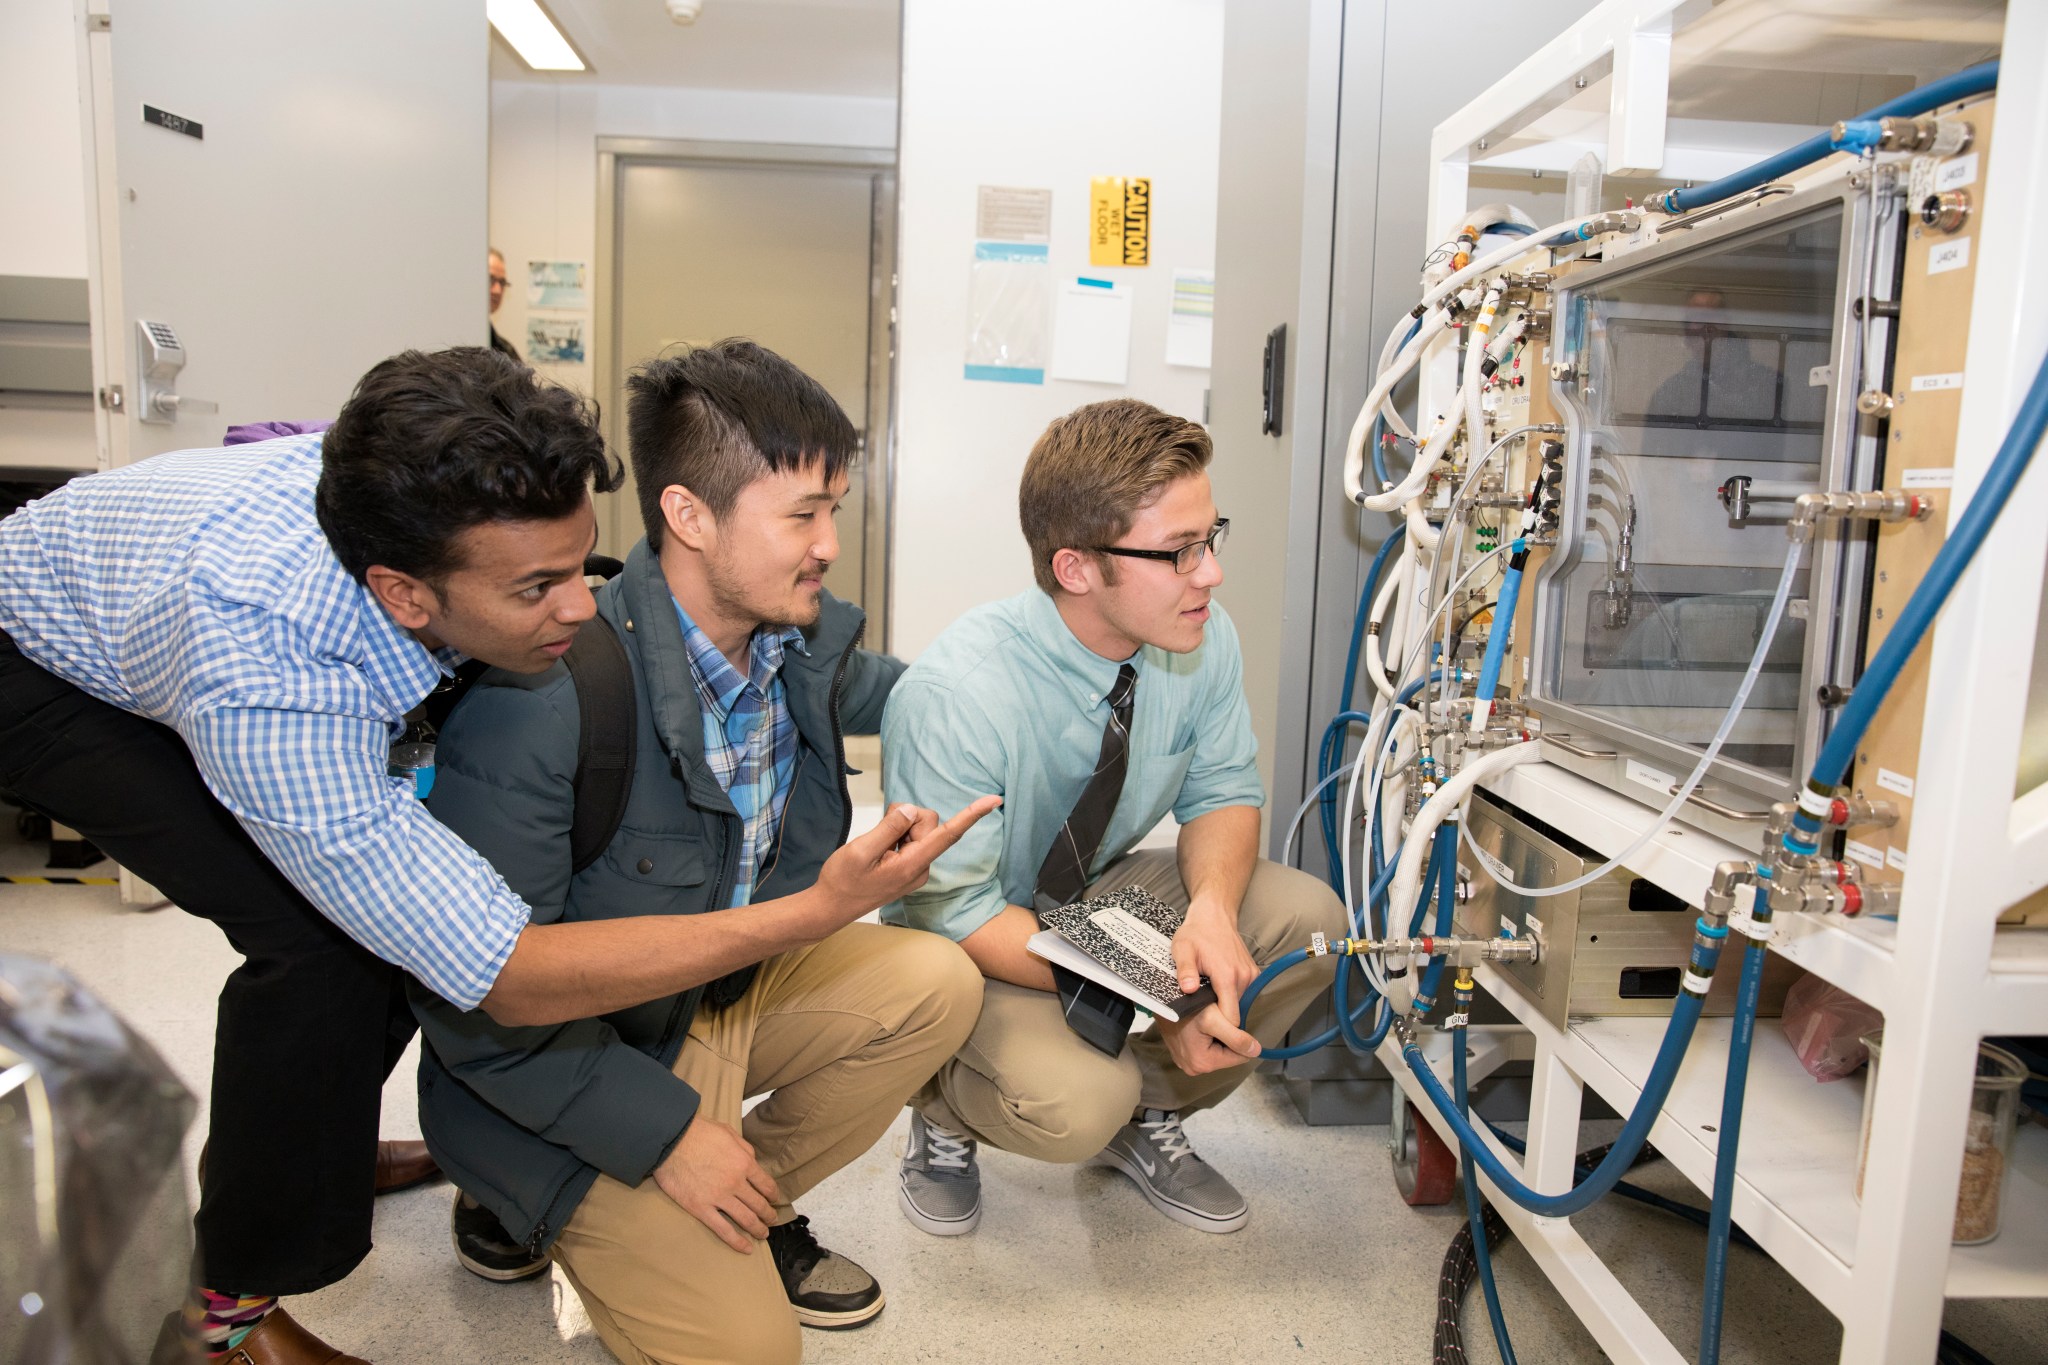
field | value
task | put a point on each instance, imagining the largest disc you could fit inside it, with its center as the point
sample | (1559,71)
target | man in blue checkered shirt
(204,661)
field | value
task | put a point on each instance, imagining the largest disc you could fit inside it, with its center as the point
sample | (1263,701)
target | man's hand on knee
(711,1172)
(1208,1042)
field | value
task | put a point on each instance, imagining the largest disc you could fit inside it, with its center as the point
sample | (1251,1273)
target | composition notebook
(1124,941)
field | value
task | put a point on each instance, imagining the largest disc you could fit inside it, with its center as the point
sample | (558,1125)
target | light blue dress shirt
(1007,702)
(198,590)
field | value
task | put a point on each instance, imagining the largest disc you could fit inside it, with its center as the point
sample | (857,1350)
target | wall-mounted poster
(554,340)
(557,284)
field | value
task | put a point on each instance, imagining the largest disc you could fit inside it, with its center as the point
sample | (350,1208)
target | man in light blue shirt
(1032,698)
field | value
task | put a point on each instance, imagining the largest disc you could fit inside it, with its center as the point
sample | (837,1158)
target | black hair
(718,417)
(431,444)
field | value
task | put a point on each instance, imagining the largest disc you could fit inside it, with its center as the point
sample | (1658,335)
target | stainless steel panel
(1616,946)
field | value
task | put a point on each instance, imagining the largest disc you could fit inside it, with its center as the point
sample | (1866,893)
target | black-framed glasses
(501,281)
(1188,557)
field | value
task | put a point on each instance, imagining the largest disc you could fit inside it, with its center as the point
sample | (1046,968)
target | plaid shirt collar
(719,684)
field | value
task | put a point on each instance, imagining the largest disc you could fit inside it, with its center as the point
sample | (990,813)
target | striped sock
(220,1321)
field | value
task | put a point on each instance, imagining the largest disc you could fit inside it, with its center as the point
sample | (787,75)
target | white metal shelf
(1856,954)
(1674,82)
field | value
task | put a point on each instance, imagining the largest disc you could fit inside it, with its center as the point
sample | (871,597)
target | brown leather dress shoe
(277,1340)
(402,1165)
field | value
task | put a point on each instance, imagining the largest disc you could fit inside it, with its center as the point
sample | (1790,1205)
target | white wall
(544,161)
(1046,96)
(42,155)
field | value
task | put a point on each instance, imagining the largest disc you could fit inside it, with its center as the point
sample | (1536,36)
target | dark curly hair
(431,444)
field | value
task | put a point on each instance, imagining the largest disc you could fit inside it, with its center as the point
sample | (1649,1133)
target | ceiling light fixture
(533,34)
(685,11)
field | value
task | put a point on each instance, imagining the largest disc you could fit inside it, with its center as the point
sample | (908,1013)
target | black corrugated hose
(1461,1267)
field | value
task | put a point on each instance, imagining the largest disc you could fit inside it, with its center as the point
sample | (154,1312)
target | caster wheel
(32,827)
(1425,1170)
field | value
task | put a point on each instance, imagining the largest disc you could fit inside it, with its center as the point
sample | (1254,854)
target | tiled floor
(1068,1264)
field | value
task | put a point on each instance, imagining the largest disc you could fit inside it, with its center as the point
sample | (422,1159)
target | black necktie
(1098,1014)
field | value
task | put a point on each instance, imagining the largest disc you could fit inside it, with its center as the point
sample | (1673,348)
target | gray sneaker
(1153,1150)
(940,1186)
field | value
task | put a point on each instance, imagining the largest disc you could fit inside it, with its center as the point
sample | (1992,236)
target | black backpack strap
(606,711)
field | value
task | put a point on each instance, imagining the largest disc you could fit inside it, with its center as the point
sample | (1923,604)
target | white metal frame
(1944,975)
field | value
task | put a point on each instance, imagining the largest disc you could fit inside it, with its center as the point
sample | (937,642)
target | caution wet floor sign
(1120,220)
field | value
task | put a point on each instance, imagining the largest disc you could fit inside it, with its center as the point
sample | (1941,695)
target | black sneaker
(826,1290)
(486,1249)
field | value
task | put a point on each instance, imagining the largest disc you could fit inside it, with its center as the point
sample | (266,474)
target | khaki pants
(1026,1083)
(842,1032)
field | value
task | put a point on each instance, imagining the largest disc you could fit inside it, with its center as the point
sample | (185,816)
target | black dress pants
(310,1024)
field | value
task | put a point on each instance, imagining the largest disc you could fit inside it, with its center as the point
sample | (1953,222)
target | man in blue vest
(617,1141)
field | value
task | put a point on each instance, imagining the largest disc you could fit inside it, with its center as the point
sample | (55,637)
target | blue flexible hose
(1685,1015)
(1332,746)
(1973,80)
(1298,955)
(1503,616)
(1720,1219)
(1482,1255)
(1347,1018)
(1444,861)
(1627,1190)
(1964,538)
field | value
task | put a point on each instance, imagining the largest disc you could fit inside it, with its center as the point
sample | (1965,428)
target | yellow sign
(1120,220)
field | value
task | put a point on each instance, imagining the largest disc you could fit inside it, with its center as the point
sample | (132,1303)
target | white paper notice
(1092,335)
(1191,325)
(1006,214)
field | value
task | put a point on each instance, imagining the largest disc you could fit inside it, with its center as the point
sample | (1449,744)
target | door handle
(1571,748)
(1725,812)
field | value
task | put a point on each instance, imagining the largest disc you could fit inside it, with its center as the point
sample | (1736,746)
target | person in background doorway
(619,1141)
(1094,704)
(499,283)
(205,660)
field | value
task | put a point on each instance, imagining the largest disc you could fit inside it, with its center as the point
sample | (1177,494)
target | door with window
(791,253)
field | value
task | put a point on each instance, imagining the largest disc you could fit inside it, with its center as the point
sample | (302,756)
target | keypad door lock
(159,356)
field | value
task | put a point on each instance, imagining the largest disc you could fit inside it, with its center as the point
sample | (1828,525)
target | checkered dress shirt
(749,738)
(197,589)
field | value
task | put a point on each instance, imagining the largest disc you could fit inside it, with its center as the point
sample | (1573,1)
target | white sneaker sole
(1179,1213)
(840,1322)
(494,1273)
(937,1227)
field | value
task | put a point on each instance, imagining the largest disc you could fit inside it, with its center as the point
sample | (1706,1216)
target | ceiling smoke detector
(685,11)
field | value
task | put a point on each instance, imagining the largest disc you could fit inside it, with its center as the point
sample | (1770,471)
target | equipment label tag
(1924,383)
(1650,777)
(1896,857)
(1949,256)
(1954,175)
(1895,782)
(1494,865)
(1863,853)
(1929,478)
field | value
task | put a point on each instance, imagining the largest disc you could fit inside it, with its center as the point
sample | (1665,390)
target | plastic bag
(1825,1025)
